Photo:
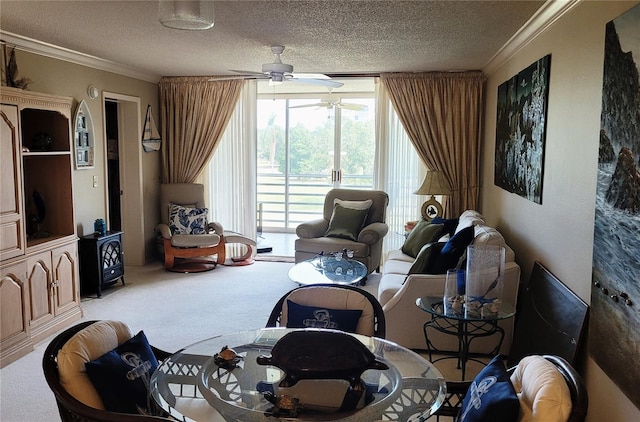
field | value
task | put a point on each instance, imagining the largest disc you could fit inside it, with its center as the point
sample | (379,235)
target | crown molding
(60,53)
(546,16)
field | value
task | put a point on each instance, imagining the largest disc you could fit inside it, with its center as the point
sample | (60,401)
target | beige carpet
(174,310)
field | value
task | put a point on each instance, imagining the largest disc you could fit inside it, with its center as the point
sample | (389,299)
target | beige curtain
(194,112)
(442,114)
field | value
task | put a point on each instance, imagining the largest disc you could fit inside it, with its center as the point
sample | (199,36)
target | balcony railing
(289,201)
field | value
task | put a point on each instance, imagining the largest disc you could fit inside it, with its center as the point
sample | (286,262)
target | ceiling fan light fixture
(277,77)
(194,15)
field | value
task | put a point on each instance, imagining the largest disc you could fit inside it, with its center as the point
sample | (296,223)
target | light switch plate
(95,181)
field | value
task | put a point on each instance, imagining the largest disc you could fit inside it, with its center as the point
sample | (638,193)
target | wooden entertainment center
(39,283)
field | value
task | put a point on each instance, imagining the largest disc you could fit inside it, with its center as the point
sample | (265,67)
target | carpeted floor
(174,310)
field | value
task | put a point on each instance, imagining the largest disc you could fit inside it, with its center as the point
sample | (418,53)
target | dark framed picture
(521,119)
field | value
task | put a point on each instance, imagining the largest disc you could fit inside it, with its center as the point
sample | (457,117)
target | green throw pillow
(427,254)
(422,233)
(346,223)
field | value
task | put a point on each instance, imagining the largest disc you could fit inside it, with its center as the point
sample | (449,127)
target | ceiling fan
(331,101)
(278,72)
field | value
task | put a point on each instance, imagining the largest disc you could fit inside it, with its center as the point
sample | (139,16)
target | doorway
(123,173)
(114,191)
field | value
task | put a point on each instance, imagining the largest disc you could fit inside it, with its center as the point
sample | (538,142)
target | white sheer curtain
(230,177)
(400,171)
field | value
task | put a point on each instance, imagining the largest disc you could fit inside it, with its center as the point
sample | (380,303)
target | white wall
(559,232)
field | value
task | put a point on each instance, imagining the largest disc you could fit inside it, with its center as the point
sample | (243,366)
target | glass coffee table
(329,269)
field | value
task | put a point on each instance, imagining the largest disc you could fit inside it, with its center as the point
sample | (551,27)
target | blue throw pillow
(450,224)
(491,396)
(452,251)
(121,376)
(300,316)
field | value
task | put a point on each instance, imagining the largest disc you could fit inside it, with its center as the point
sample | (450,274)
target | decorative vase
(484,280)
(99,227)
(453,300)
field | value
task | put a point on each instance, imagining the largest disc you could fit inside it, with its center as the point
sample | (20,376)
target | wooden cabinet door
(40,288)
(65,278)
(14,325)
(11,223)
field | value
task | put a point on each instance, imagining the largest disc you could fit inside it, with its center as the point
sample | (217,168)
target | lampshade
(187,14)
(434,184)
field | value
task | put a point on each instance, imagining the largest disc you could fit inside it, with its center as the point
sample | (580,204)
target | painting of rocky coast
(614,329)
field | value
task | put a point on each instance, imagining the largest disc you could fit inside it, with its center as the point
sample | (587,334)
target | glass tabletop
(192,387)
(328,269)
(434,305)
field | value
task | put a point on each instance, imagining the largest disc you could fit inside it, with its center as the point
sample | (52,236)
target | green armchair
(326,235)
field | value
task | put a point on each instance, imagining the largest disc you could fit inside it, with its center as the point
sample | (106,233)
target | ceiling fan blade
(248,72)
(313,81)
(312,105)
(355,107)
(230,78)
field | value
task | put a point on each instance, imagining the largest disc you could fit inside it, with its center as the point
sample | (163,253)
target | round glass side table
(465,328)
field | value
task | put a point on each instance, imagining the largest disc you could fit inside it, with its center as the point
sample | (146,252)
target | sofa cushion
(452,251)
(86,345)
(425,258)
(300,316)
(424,232)
(187,220)
(543,392)
(121,376)
(346,223)
(397,255)
(485,235)
(469,218)
(491,397)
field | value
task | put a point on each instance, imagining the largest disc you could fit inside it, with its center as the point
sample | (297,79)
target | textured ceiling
(320,36)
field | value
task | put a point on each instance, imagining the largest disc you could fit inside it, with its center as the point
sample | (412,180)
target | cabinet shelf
(39,284)
(45,153)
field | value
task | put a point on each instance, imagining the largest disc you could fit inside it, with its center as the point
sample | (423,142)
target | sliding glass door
(308,144)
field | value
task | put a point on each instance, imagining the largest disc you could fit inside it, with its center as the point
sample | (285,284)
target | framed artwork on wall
(521,129)
(614,328)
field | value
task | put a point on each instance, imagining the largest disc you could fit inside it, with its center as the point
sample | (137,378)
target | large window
(287,192)
(307,143)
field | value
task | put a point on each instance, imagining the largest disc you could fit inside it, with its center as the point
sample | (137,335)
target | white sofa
(397,293)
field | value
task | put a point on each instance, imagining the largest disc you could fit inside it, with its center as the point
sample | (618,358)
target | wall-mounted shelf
(83,137)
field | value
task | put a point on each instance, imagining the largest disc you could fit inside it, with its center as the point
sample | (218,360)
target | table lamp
(434,184)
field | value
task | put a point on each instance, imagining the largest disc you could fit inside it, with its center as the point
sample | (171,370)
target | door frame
(130,161)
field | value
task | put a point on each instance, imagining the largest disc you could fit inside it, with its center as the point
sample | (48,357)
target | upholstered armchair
(185,230)
(352,219)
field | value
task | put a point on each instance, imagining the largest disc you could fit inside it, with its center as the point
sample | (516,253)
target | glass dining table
(191,386)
